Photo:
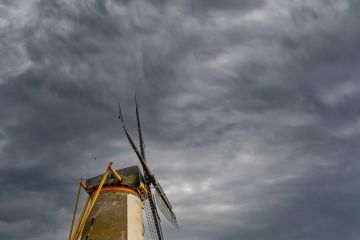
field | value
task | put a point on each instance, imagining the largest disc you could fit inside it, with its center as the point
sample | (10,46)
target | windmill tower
(115,200)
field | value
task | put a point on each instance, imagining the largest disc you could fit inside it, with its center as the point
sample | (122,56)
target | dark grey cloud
(249,108)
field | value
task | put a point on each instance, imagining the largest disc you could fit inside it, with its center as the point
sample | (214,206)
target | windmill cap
(131,178)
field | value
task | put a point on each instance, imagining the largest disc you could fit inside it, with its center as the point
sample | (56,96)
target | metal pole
(115,174)
(75,209)
(92,203)
(81,215)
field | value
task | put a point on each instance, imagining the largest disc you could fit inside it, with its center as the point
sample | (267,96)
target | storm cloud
(250,112)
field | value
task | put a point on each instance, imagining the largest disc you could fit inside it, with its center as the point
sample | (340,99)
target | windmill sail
(152,217)
(132,144)
(151,221)
(150,206)
(162,196)
(141,140)
(162,201)
(164,208)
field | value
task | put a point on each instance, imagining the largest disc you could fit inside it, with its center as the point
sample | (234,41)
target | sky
(250,112)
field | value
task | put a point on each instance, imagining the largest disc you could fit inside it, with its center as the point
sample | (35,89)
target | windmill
(159,199)
(115,199)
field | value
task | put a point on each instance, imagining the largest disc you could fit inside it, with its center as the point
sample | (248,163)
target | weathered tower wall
(117,213)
